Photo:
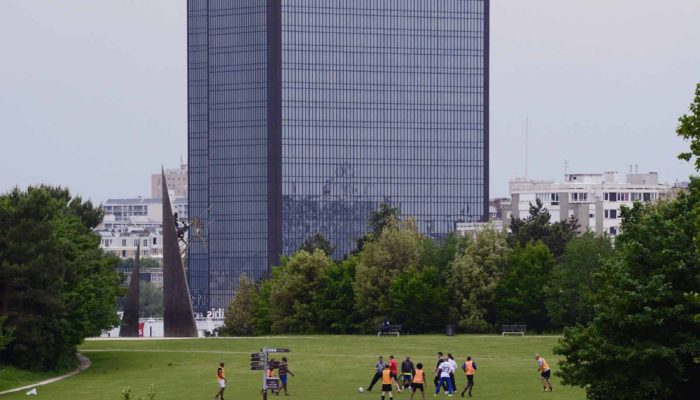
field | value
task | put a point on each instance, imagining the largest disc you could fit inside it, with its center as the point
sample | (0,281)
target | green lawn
(326,367)
(11,377)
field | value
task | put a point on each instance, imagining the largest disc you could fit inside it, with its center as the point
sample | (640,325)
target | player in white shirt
(453,365)
(444,370)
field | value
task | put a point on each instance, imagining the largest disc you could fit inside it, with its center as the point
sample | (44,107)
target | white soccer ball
(361,389)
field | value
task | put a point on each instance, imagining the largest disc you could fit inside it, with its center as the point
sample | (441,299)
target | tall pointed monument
(130,320)
(178,318)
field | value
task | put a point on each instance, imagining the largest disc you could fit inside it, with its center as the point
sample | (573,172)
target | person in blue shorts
(283,371)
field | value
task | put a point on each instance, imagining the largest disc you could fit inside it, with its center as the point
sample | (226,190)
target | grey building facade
(305,114)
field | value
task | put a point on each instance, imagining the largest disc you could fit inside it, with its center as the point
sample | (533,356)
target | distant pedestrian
(407,372)
(378,369)
(545,372)
(284,370)
(418,381)
(221,380)
(469,368)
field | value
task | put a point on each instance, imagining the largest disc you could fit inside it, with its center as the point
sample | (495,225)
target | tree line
(540,274)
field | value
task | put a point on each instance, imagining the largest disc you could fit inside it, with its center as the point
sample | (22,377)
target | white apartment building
(139,213)
(123,243)
(132,211)
(594,199)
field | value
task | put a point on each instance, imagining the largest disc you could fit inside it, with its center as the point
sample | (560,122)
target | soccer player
(407,372)
(444,370)
(469,368)
(545,372)
(283,371)
(394,370)
(221,379)
(386,382)
(435,371)
(378,368)
(418,381)
(453,365)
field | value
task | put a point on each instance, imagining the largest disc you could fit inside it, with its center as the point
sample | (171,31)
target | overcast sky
(93,95)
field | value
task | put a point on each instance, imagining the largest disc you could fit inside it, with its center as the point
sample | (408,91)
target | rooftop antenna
(566,170)
(526,144)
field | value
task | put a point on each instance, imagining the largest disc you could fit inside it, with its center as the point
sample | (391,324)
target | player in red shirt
(393,370)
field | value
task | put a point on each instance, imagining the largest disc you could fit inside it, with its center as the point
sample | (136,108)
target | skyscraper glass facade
(305,114)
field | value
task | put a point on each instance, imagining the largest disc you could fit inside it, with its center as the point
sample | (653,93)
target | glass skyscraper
(305,114)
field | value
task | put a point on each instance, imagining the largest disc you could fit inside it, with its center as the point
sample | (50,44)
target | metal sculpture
(130,320)
(178,318)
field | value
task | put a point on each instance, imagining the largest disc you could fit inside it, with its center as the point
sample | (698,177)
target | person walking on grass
(221,380)
(469,368)
(283,371)
(386,382)
(378,369)
(418,381)
(444,370)
(545,373)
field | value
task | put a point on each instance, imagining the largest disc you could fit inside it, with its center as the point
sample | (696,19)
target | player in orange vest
(387,379)
(469,368)
(545,372)
(418,381)
(221,379)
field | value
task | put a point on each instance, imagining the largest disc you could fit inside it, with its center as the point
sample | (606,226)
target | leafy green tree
(689,129)
(294,287)
(318,241)
(5,335)
(645,327)
(262,319)
(397,249)
(240,313)
(335,298)
(144,263)
(441,254)
(520,296)
(383,217)
(378,220)
(56,285)
(537,226)
(571,288)
(475,276)
(150,300)
(419,299)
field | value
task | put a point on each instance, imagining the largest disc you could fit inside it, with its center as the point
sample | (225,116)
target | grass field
(326,367)
(11,377)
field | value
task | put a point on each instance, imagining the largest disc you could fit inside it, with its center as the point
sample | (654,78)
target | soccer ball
(360,389)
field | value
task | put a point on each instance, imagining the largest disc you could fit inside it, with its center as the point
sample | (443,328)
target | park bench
(513,329)
(389,330)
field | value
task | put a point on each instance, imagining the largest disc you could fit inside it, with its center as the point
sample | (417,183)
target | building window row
(630,196)
(577,197)
(612,214)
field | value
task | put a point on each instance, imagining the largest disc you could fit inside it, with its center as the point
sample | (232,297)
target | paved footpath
(84,364)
